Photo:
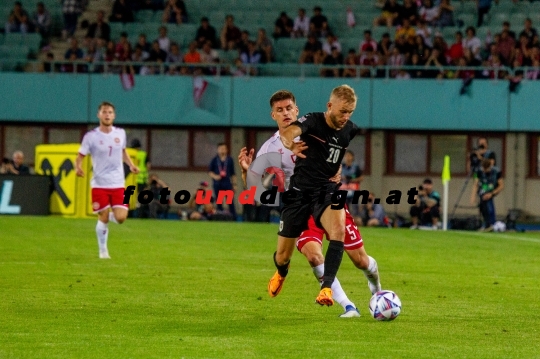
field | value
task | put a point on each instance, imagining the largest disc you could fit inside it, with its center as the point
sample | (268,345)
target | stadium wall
(232,101)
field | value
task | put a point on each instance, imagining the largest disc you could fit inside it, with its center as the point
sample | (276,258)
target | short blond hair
(344,92)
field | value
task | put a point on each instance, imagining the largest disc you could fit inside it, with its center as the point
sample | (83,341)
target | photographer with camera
(154,208)
(16,166)
(487,184)
(478,153)
(426,210)
(372,214)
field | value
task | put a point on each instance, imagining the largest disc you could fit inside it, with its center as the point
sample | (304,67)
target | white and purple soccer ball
(385,305)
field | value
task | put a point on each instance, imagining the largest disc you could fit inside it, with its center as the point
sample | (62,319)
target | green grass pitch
(178,289)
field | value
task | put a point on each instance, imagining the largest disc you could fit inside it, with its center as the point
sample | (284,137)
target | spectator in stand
(409,11)
(331,42)
(205,33)
(244,42)
(463,74)
(440,45)
(230,34)
(528,30)
(312,46)
(41,21)
(301,24)
(163,39)
(110,51)
(174,57)
(368,58)
(406,30)
(523,50)
(384,47)
(157,54)
(351,60)
(125,52)
(251,57)
(425,31)
(264,44)
(173,13)
(483,8)
(74,49)
(421,49)
(402,75)
(429,12)
(120,44)
(49,65)
(445,17)
(534,74)
(208,54)
(506,48)
(455,52)
(283,26)
(192,56)
(99,29)
(71,10)
(18,20)
(93,53)
(436,61)
(121,12)
(396,59)
(318,22)
(368,41)
(334,58)
(472,43)
(416,61)
(145,46)
(390,15)
(139,56)
(506,27)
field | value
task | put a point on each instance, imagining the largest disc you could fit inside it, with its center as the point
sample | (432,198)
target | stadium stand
(251,15)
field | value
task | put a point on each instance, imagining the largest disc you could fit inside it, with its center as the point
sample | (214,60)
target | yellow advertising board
(72,195)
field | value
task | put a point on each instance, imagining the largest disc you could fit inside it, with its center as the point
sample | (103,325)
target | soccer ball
(499,226)
(385,305)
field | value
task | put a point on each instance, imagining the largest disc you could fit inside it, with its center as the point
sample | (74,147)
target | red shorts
(353,238)
(103,198)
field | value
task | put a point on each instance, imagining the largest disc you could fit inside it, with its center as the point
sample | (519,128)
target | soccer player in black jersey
(327,136)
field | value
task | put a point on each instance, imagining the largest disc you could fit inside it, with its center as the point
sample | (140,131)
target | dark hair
(317,8)
(135,143)
(367,32)
(204,19)
(221,144)
(105,104)
(472,29)
(123,34)
(281,95)
(506,23)
(459,33)
(428,181)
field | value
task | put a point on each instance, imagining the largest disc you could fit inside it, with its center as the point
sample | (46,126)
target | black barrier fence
(25,194)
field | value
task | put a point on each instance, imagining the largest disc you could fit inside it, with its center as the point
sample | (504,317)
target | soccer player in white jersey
(284,112)
(107,146)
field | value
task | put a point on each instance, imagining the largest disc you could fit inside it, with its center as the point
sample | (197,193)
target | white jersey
(106,150)
(288,158)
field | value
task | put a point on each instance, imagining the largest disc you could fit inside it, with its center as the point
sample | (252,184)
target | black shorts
(295,215)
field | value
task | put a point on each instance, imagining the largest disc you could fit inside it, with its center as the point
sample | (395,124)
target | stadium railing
(261,70)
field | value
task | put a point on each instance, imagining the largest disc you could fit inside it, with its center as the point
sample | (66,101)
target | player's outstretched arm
(127,160)
(78,165)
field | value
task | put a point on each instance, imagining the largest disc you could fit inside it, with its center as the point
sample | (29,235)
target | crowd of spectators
(414,38)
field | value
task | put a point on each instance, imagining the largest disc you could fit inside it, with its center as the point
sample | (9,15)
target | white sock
(337,292)
(112,218)
(102,231)
(372,273)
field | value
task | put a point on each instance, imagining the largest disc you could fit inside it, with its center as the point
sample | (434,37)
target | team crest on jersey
(95,205)
(302,119)
(117,140)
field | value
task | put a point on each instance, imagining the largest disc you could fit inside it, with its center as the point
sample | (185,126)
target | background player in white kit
(285,112)
(107,146)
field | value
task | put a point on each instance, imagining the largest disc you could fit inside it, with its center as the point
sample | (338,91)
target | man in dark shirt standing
(221,170)
(205,33)
(326,137)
